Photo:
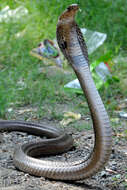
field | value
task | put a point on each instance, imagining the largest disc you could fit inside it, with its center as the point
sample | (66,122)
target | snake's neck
(65,21)
(81,67)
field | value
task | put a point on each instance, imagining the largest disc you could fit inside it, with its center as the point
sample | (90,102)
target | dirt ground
(112,177)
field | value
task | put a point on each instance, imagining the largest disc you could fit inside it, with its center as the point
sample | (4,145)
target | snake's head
(70,12)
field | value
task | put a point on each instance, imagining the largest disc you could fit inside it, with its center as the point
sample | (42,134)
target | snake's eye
(69,8)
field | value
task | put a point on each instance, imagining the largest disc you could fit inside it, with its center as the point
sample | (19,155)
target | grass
(21,83)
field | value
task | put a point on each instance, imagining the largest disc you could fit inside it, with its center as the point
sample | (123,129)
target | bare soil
(112,177)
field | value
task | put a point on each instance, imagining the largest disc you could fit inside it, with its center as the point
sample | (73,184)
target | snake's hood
(69,12)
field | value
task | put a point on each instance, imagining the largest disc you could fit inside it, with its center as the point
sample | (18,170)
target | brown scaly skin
(72,45)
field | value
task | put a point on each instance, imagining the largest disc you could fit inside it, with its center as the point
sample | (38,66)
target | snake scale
(72,44)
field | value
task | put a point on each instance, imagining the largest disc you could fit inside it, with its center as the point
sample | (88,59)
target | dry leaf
(70,117)
(25,110)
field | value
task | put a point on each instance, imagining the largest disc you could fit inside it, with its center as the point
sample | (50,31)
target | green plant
(22,84)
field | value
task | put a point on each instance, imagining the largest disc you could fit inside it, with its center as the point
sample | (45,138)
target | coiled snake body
(72,45)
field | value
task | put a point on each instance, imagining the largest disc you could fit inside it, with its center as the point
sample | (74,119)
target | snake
(72,44)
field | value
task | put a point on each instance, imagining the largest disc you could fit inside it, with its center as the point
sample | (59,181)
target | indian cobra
(72,44)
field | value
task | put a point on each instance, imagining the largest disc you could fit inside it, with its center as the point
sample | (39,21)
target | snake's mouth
(70,12)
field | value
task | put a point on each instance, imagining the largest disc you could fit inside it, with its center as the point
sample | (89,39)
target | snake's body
(72,45)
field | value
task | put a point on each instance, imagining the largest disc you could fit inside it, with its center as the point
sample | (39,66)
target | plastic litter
(125,100)
(100,73)
(73,84)
(120,58)
(7,14)
(103,71)
(47,49)
(123,115)
(93,39)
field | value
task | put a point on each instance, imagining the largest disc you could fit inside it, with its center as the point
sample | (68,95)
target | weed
(22,84)
(84,126)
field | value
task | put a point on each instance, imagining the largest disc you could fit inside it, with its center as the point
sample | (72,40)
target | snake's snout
(74,7)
